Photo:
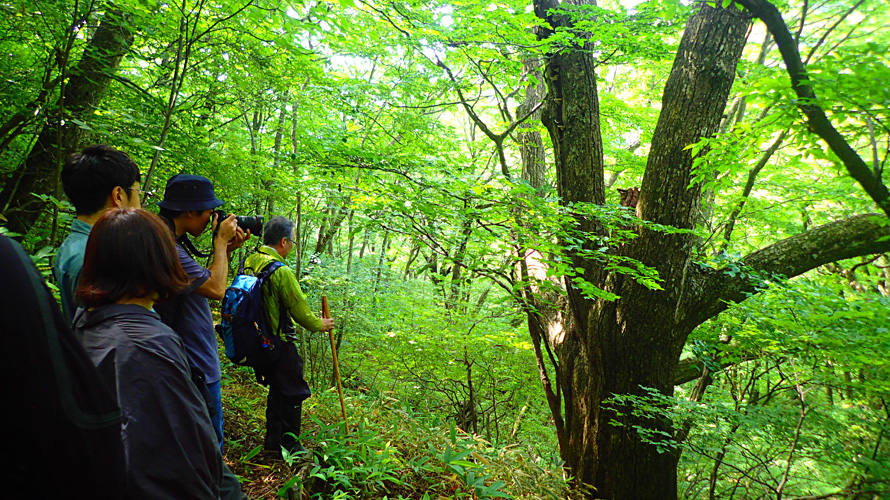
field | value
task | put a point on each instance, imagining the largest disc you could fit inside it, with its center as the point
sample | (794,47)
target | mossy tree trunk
(83,92)
(624,346)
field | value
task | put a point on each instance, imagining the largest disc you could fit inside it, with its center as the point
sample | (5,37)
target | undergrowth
(390,452)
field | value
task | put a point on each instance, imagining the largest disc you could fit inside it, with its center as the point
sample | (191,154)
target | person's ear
(117,196)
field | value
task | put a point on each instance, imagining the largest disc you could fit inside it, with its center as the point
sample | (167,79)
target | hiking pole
(326,313)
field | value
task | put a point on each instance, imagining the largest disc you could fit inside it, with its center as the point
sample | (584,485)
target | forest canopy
(643,243)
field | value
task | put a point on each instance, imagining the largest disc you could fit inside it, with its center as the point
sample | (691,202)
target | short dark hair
(168,216)
(89,176)
(130,253)
(278,227)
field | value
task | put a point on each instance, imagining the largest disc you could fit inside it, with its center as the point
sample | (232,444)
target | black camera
(254,223)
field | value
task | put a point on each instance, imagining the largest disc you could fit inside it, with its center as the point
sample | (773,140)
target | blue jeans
(213,398)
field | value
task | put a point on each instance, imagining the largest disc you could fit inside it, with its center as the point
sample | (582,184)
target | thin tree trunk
(351,245)
(749,186)
(276,160)
(329,229)
(183,50)
(367,237)
(57,179)
(299,229)
(381,261)
(412,256)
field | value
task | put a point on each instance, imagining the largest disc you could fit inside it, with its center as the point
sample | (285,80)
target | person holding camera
(188,207)
(283,300)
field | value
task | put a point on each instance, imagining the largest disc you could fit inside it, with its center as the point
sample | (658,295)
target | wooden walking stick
(326,313)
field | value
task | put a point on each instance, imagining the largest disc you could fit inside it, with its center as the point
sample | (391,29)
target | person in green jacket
(283,303)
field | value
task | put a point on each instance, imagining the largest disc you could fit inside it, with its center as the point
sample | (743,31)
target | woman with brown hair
(170,446)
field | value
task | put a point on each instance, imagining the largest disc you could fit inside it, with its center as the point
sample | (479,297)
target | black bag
(62,435)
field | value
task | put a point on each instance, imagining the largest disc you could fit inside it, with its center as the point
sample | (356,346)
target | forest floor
(390,452)
(263,475)
(244,404)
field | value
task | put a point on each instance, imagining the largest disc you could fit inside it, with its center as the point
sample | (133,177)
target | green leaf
(252,453)
(286,487)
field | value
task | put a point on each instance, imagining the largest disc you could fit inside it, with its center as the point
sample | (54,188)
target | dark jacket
(170,445)
(62,433)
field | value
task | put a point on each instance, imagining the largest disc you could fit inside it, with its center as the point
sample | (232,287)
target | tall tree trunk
(458,278)
(333,220)
(531,146)
(632,344)
(84,91)
(621,347)
(571,115)
(351,244)
(57,181)
(299,233)
(381,261)
(412,256)
(365,241)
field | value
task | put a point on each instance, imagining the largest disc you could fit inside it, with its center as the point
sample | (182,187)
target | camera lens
(252,223)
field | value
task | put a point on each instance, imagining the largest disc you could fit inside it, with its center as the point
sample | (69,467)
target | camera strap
(190,247)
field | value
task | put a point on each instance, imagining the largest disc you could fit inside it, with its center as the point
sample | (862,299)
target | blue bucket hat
(189,192)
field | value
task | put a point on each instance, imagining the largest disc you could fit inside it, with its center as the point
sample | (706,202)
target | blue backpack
(247,340)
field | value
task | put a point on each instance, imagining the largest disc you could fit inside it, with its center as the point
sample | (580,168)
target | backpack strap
(190,247)
(264,274)
(269,269)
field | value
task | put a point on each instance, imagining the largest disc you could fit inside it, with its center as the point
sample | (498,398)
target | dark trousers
(212,394)
(283,419)
(287,391)
(230,487)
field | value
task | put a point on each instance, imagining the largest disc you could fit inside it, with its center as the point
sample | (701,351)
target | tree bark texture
(329,228)
(571,116)
(531,146)
(629,345)
(83,93)
(636,341)
(623,346)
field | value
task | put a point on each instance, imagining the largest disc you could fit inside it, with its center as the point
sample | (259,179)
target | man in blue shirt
(187,207)
(98,178)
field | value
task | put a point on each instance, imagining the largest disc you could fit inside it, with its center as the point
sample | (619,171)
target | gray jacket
(170,445)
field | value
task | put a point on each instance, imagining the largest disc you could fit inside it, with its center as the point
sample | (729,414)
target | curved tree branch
(854,237)
(808,103)
(832,28)
(803,18)
(498,139)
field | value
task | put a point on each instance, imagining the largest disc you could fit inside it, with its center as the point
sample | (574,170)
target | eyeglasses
(144,195)
(292,241)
